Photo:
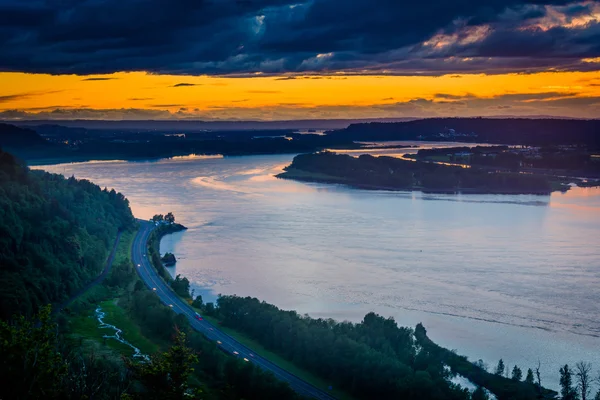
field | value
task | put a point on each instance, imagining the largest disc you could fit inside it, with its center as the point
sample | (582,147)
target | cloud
(166,105)
(298,37)
(85,113)
(549,103)
(184,84)
(25,95)
(140,98)
(452,96)
(294,77)
(11,97)
(98,79)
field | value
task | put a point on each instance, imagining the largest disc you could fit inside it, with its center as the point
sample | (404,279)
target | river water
(491,276)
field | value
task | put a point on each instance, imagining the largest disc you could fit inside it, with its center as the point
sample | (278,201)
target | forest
(376,358)
(391,173)
(54,235)
(574,160)
(67,146)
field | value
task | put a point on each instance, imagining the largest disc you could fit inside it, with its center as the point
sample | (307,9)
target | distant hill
(195,125)
(12,136)
(484,130)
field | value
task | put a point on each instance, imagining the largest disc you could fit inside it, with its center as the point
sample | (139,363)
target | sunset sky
(282,59)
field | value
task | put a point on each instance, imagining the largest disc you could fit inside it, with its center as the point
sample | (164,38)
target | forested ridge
(54,235)
(529,131)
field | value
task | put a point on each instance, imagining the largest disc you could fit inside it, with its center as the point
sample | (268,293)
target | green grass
(86,326)
(83,325)
(280,361)
(124,248)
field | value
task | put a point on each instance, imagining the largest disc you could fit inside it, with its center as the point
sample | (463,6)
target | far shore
(303,176)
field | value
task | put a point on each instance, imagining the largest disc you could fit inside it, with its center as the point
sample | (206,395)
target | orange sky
(141,95)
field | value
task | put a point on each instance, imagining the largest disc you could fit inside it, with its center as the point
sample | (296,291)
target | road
(100,278)
(211,332)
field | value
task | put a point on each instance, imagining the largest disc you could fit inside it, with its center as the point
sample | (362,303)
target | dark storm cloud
(557,42)
(240,38)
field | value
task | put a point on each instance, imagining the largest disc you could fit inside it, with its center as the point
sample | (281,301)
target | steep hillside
(54,235)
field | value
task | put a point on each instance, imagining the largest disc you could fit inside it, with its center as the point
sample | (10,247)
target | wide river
(512,277)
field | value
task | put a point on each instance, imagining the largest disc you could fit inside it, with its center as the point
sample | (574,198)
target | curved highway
(224,341)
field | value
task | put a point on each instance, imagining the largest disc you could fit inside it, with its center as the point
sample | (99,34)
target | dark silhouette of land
(388,173)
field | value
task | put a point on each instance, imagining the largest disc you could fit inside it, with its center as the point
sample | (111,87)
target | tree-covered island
(388,173)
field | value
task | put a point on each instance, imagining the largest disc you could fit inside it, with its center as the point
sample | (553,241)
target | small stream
(100,315)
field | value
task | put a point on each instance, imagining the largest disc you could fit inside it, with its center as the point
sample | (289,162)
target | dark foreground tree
(567,391)
(583,378)
(517,374)
(500,368)
(479,394)
(30,365)
(529,378)
(166,375)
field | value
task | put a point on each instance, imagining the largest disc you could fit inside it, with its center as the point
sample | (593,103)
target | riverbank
(154,247)
(502,387)
(306,176)
(498,276)
(121,319)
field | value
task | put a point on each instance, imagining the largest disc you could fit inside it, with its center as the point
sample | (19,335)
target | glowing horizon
(139,95)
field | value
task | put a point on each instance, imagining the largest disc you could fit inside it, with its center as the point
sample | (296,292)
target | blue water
(516,277)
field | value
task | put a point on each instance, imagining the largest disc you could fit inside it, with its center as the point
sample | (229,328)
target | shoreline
(459,362)
(493,336)
(291,176)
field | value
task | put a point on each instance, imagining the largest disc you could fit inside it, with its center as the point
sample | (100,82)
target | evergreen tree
(500,368)
(166,375)
(517,374)
(479,394)
(567,391)
(529,378)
